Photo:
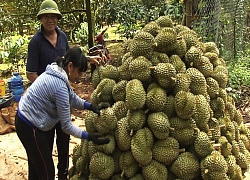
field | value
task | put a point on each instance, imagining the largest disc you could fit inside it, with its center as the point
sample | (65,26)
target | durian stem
(173,78)
(152,68)
(131,132)
(171,129)
(212,142)
(221,126)
(218,145)
(196,129)
(122,174)
(182,150)
(212,129)
(206,171)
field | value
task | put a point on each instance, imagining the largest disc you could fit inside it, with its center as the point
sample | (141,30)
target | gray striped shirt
(48,100)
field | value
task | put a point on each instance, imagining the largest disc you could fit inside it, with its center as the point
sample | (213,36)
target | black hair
(75,56)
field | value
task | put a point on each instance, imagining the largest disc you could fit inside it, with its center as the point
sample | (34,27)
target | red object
(99,38)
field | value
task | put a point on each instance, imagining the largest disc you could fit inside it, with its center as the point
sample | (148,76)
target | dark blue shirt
(41,52)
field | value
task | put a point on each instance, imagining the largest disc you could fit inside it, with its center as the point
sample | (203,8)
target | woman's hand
(94,60)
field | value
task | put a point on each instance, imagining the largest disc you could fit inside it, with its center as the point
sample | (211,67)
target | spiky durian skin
(101,165)
(166,150)
(186,166)
(135,94)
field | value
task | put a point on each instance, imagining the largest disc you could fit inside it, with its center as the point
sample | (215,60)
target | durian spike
(200,39)
(122,174)
(182,150)
(131,132)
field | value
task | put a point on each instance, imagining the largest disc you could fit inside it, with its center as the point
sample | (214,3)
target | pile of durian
(169,116)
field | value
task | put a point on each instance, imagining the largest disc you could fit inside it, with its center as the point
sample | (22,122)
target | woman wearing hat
(46,45)
(47,102)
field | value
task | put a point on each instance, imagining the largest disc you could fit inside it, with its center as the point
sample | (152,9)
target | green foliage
(239,72)
(14,50)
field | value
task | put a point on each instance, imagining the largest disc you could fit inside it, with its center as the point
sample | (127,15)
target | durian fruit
(164,74)
(226,147)
(107,148)
(142,44)
(122,134)
(185,104)
(186,166)
(104,90)
(212,87)
(111,72)
(169,115)
(155,170)
(185,131)
(204,66)
(158,57)
(139,69)
(201,114)
(218,107)
(181,47)
(211,47)
(128,164)
(124,69)
(193,56)
(214,166)
(141,146)
(178,64)
(166,40)
(202,145)
(119,91)
(198,83)
(107,121)
(164,21)
(190,37)
(152,28)
(220,74)
(90,118)
(120,109)
(166,150)
(136,120)
(156,99)
(76,153)
(101,165)
(96,76)
(135,94)
(182,83)
(159,124)
(169,109)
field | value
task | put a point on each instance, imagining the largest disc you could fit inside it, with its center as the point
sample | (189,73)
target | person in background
(46,45)
(46,103)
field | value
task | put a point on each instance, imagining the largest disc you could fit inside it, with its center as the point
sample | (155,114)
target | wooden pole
(188,12)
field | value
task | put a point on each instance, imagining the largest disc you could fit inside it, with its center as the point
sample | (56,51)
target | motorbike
(100,49)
